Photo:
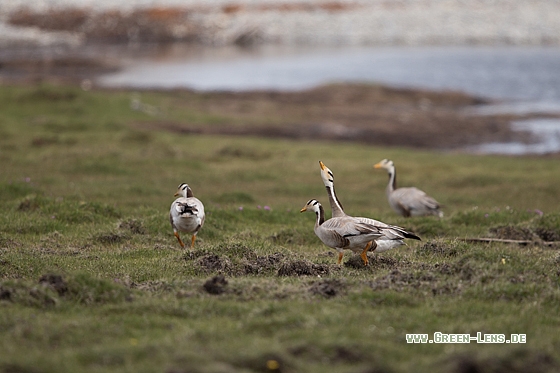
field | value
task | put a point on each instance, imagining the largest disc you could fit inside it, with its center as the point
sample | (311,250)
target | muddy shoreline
(364,113)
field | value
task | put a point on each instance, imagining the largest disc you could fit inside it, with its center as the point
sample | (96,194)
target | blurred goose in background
(344,233)
(392,236)
(186,214)
(409,201)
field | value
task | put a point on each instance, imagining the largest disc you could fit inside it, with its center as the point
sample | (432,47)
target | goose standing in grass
(409,201)
(186,214)
(392,236)
(344,233)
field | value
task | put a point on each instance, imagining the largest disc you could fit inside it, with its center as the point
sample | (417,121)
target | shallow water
(546,132)
(526,79)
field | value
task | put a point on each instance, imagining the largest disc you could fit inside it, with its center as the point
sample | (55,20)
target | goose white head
(312,205)
(183,190)
(326,175)
(386,164)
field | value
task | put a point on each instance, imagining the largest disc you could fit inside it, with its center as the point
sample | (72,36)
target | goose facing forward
(408,201)
(392,235)
(186,214)
(343,233)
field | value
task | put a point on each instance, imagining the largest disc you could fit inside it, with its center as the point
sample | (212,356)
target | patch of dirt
(269,362)
(518,361)
(56,282)
(510,232)
(398,279)
(462,268)
(302,268)
(214,263)
(239,261)
(437,248)
(548,234)
(133,226)
(327,288)
(111,238)
(216,285)
(335,354)
(5,294)
(264,264)
(363,113)
(29,204)
(369,114)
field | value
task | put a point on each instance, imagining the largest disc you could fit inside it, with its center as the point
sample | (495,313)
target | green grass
(92,279)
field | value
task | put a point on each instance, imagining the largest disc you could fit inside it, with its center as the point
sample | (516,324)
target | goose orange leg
(179,239)
(340,255)
(363,255)
(192,240)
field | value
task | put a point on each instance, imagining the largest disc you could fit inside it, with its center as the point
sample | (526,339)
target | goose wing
(196,204)
(414,200)
(187,214)
(331,237)
(389,232)
(345,230)
(185,210)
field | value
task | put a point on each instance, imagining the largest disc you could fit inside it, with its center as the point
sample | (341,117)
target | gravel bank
(222,22)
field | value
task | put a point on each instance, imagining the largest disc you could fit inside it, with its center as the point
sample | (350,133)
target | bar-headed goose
(186,214)
(408,201)
(392,235)
(344,233)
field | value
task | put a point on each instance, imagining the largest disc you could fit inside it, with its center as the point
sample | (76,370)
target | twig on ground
(519,242)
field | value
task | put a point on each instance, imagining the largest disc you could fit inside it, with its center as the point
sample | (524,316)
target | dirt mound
(510,232)
(264,264)
(216,285)
(214,263)
(518,361)
(438,249)
(546,234)
(56,282)
(327,288)
(302,268)
(375,262)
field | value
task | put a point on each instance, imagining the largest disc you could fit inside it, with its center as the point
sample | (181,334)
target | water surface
(525,79)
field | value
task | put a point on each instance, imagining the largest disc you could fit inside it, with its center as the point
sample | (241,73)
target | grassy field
(92,279)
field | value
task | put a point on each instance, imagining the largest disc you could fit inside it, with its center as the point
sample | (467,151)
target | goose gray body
(392,235)
(344,233)
(186,214)
(409,201)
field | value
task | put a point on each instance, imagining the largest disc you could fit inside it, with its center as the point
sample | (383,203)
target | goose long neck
(189,193)
(336,206)
(320,212)
(392,181)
